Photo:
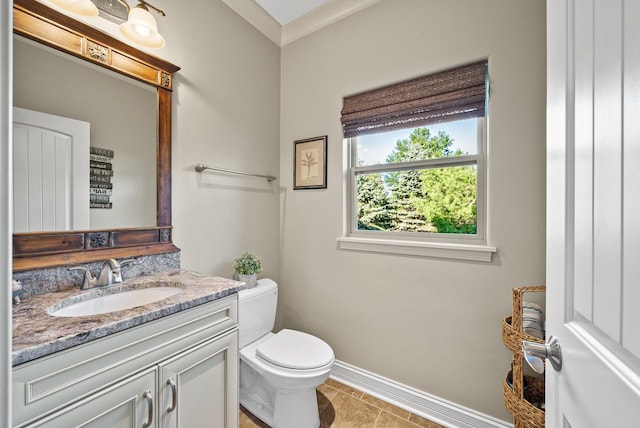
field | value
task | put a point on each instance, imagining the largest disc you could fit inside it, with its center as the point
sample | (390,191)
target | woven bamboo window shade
(449,95)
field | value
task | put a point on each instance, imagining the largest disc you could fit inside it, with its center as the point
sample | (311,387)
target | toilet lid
(295,350)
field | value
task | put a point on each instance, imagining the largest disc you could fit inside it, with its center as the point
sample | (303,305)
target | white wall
(428,323)
(226,114)
(5,210)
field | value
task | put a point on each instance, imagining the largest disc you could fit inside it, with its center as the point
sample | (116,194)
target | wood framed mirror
(44,25)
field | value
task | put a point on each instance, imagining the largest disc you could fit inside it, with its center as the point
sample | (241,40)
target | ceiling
(285,11)
(284,21)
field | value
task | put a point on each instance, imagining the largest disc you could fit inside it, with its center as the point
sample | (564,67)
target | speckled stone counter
(36,333)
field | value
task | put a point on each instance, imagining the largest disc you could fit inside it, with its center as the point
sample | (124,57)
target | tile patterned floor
(341,406)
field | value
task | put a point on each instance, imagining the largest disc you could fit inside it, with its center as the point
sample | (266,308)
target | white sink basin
(116,302)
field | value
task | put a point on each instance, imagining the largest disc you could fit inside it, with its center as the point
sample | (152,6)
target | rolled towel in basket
(532,320)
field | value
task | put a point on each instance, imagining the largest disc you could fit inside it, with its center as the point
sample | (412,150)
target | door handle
(534,353)
(147,395)
(174,395)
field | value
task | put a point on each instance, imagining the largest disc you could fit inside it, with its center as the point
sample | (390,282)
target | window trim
(439,245)
(478,253)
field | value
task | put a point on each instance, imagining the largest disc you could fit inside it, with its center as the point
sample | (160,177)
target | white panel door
(50,172)
(593,212)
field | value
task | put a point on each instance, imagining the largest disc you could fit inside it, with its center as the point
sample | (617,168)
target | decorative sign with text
(100,173)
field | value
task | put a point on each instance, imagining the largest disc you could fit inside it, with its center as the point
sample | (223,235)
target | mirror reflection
(121,114)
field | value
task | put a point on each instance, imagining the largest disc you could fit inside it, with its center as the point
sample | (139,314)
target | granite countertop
(36,333)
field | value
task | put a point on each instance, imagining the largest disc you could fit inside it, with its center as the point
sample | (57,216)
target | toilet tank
(257,311)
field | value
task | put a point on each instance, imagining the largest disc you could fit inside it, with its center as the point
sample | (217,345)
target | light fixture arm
(125,4)
(146,6)
(149,5)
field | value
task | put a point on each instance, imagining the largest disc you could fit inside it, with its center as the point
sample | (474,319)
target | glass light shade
(79,7)
(141,28)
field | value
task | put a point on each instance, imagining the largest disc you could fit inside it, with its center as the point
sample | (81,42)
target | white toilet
(279,372)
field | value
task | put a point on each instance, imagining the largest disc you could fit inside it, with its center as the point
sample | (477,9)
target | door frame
(6,102)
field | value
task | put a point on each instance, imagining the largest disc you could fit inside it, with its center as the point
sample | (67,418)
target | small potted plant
(247,266)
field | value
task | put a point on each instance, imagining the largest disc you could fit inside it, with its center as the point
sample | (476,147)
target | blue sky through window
(374,149)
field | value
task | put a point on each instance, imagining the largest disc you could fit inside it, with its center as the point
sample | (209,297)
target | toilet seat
(295,350)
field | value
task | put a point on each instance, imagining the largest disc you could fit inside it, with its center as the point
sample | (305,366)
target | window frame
(445,245)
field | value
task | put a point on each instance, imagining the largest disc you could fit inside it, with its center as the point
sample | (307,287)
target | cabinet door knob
(534,353)
(149,397)
(174,395)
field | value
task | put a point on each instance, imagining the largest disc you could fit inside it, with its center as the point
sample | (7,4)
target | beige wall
(429,323)
(226,113)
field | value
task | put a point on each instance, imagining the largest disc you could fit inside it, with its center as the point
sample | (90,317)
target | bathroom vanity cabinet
(179,370)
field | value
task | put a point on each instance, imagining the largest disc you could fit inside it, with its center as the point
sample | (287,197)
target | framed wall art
(310,163)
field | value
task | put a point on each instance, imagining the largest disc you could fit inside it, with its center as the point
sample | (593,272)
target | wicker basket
(517,401)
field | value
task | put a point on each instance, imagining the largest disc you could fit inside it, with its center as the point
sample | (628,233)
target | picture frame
(310,163)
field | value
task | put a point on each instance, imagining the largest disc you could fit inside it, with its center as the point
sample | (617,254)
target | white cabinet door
(593,212)
(128,404)
(199,388)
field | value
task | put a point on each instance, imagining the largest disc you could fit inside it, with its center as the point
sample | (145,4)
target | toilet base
(296,410)
(278,409)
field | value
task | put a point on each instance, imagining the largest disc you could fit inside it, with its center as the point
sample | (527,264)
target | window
(417,166)
(419,180)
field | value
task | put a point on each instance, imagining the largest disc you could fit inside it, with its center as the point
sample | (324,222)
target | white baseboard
(417,402)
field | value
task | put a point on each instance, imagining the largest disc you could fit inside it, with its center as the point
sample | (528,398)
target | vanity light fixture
(79,7)
(141,26)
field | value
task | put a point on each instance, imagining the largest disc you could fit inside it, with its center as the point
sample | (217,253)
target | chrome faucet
(109,274)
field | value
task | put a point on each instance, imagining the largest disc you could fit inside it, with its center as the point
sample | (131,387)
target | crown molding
(258,17)
(321,17)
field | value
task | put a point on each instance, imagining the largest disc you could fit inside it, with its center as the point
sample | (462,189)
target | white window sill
(479,253)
